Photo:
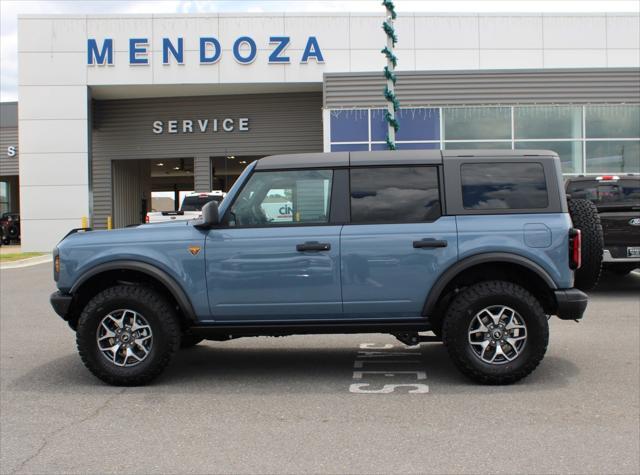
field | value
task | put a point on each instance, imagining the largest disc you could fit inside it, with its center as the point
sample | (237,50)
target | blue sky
(9,9)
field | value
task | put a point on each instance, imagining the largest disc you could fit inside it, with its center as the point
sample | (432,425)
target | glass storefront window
(603,122)
(407,146)
(478,145)
(570,153)
(415,124)
(4,197)
(349,147)
(477,123)
(547,122)
(616,156)
(350,125)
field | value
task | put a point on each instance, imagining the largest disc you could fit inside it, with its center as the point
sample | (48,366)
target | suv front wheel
(496,332)
(127,335)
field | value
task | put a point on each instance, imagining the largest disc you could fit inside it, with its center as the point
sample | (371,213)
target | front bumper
(571,304)
(61,303)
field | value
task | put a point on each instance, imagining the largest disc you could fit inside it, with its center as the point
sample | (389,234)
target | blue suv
(476,247)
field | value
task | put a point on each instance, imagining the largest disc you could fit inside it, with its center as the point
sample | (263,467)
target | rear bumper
(607,257)
(571,304)
(61,303)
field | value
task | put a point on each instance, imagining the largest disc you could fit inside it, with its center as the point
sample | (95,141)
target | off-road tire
(584,215)
(188,341)
(159,314)
(463,309)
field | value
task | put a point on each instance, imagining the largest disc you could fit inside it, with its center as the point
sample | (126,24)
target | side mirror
(210,216)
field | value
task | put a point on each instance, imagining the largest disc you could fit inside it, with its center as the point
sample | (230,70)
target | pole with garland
(389,73)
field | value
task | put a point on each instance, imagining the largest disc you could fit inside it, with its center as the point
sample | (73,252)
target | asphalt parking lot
(297,404)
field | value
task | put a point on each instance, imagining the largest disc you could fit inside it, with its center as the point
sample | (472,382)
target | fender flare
(496,257)
(152,271)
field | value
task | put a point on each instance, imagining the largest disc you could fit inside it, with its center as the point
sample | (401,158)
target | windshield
(195,203)
(610,193)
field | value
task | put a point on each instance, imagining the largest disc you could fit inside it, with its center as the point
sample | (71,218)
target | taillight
(146,219)
(575,249)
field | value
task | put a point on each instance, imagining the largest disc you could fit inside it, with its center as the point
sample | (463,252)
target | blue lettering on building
(217,50)
(102,55)
(312,50)
(177,53)
(244,50)
(253,50)
(276,55)
(138,51)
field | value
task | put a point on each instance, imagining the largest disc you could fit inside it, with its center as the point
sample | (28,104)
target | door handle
(313,246)
(429,243)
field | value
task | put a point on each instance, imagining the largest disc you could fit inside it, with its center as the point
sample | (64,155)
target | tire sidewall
(537,334)
(87,331)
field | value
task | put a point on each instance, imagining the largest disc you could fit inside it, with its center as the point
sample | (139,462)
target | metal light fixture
(231,157)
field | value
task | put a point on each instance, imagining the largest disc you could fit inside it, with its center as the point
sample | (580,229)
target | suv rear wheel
(496,332)
(127,335)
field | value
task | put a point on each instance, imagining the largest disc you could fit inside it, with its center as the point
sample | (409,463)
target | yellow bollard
(109,223)
(84,222)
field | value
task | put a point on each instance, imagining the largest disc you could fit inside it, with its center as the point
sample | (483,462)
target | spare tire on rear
(584,215)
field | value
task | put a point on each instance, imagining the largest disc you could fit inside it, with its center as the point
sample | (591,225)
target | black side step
(280,329)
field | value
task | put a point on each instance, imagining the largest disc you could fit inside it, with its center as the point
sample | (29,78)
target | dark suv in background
(617,198)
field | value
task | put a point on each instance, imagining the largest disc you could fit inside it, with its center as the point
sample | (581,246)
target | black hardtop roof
(390,157)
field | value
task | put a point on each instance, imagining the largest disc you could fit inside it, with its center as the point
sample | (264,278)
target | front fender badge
(194,250)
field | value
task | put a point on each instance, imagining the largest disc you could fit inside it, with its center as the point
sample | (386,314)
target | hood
(142,232)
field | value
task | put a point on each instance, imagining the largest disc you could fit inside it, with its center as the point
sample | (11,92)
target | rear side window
(394,195)
(499,186)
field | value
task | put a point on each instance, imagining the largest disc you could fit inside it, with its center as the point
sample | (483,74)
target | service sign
(191,126)
(244,51)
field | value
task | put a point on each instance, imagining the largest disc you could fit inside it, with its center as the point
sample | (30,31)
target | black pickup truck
(617,198)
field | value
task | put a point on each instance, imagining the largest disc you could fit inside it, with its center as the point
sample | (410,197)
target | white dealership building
(113,109)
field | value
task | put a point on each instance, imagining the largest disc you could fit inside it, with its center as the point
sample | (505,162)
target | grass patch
(18,256)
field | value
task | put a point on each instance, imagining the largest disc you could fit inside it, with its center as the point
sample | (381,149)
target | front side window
(283,197)
(499,186)
(394,195)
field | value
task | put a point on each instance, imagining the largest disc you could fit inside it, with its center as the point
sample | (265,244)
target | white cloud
(9,9)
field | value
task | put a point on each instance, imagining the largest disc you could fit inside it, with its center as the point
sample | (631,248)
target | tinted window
(394,195)
(487,186)
(283,197)
(607,193)
(477,123)
(195,203)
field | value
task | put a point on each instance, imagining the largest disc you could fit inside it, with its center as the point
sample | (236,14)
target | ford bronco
(477,247)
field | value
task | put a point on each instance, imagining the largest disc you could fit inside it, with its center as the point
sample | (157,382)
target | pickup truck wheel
(127,335)
(188,341)
(585,217)
(496,332)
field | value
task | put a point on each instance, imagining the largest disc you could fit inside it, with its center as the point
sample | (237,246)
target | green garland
(391,145)
(391,120)
(390,75)
(390,31)
(391,97)
(390,56)
(388,4)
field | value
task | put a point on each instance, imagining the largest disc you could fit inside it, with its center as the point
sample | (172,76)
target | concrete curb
(31,261)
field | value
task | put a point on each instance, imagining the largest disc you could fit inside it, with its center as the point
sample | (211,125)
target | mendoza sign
(244,50)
